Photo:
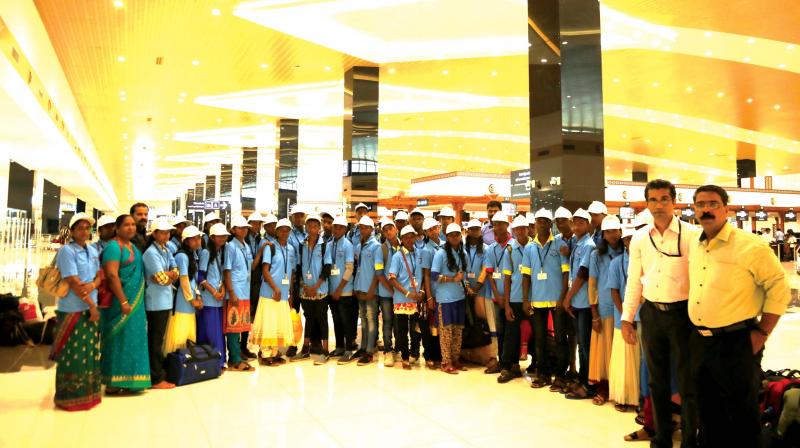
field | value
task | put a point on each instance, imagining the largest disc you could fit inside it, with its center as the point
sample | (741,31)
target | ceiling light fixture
(264,66)
(120,58)
(118,4)
(215,12)
(195,62)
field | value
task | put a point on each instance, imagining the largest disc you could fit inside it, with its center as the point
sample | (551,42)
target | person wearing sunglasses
(658,279)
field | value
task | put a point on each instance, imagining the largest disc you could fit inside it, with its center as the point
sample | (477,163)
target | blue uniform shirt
(181,304)
(403,273)
(617,279)
(579,258)
(513,266)
(429,249)
(337,254)
(296,238)
(238,260)
(365,272)
(99,245)
(382,266)
(448,292)
(542,261)
(475,267)
(598,269)
(282,262)
(173,245)
(494,260)
(157,259)
(311,266)
(213,270)
(82,262)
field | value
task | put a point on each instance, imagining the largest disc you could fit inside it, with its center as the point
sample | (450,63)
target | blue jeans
(583,323)
(387,314)
(368,313)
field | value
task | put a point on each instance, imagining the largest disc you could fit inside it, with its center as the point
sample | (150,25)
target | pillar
(360,152)
(286,164)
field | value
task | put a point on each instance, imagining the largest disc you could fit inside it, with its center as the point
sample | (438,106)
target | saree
(125,360)
(76,349)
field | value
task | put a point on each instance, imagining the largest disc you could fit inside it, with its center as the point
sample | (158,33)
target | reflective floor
(301,404)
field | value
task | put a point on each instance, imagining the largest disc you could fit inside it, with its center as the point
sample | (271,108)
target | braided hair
(215,252)
(184,249)
(451,259)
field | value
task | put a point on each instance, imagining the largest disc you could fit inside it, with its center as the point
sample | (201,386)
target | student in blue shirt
(269,228)
(624,373)
(182,324)
(428,322)
(339,254)
(212,291)
(236,276)
(354,234)
(476,250)
(514,313)
(494,301)
(106,231)
(297,235)
(178,223)
(566,336)
(273,329)
(76,348)
(602,306)
(383,259)
(255,244)
(544,285)
(160,272)
(576,303)
(366,286)
(313,275)
(406,277)
(449,272)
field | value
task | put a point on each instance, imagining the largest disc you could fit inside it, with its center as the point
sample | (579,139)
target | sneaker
(406,365)
(365,359)
(302,356)
(414,360)
(338,352)
(322,359)
(291,352)
(347,358)
(508,375)
(388,360)
(398,357)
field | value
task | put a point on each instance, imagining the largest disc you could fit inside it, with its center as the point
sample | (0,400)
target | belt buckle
(706,333)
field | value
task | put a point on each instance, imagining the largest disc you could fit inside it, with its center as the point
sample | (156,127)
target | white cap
(255,216)
(474,223)
(106,220)
(543,213)
(340,221)
(314,217)
(190,232)
(447,211)
(519,221)
(270,219)
(416,210)
(297,208)
(429,223)
(366,221)
(611,222)
(402,215)
(531,218)
(218,229)
(628,231)
(385,221)
(581,213)
(174,221)
(324,213)
(500,217)
(239,221)
(562,212)
(284,222)
(452,227)
(360,205)
(161,224)
(213,216)
(642,219)
(598,207)
(407,229)
(81,217)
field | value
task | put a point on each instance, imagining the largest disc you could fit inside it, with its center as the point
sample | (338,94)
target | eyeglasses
(662,201)
(712,205)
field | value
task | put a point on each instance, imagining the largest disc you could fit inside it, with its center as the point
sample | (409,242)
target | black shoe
(248,354)
(291,352)
(531,369)
(347,358)
(338,352)
(508,375)
(365,359)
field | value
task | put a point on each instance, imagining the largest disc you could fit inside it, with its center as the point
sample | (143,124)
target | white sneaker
(388,360)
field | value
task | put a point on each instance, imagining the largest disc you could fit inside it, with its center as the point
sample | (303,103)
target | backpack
(776,383)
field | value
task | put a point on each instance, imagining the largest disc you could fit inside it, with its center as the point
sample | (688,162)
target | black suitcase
(193,364)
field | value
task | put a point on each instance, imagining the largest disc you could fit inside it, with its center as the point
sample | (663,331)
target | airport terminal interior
(379,120)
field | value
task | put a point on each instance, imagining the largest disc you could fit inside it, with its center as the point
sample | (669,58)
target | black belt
(743,325)
(671,306)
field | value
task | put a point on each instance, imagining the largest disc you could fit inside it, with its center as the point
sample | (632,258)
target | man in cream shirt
(658,279)
(738,292)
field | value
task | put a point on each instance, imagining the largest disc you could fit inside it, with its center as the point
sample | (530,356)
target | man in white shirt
(658,279)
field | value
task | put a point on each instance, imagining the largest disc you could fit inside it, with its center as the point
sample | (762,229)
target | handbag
(193,364)
(50,280)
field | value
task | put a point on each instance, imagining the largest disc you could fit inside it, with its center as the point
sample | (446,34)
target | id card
(308,276)
(541,276)
(569,283)
(285,281)
(335,271)
(470,275)
(496,275)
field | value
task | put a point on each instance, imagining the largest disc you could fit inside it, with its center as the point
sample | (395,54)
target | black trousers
(564,326)
(511,338)
(726,376)
(316,314)
(430,343)
(665,336)
(347,310)
(338,327)
(405,330)
(156,329)
(539,321)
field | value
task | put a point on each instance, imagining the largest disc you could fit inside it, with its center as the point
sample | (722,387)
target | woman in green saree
(125,360)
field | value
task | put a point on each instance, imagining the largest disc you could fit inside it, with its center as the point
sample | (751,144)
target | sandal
(599,400)
(624,407)
(639,419)
(579,393)
(459,366)
(241,367)
(642,435)
(558,385)
(451,369)
(539,383)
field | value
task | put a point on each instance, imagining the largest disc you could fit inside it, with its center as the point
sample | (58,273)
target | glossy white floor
(305,405)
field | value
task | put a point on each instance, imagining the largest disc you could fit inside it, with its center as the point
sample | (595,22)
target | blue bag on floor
(193,364)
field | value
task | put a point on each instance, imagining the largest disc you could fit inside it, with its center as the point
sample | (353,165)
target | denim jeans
(368,313)
(387,314)
(583,322)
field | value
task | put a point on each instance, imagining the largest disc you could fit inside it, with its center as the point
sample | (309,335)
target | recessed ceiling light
(530,45)
(123,98)
(781,65)
(656,84)
(327,69)
(120,58)
(172,120)
(264,66)
(615,80)
(708,34)
(215,12)
(195,62)
(565,42)
(118,4)
(749,100)
(751,40)
(543,60)
(183,94)
(720,94)
(494,73)
(124,119)
(219,120)
(180,100)
(777,107)
(790,47)
(708,53)
(746,59)
(445,72)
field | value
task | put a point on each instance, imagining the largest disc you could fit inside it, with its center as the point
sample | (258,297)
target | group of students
(237,288)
